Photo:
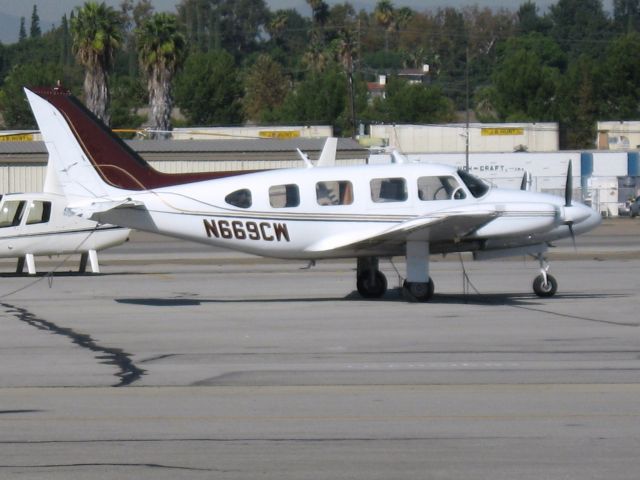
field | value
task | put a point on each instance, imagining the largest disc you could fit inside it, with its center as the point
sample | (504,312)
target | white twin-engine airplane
(366,212)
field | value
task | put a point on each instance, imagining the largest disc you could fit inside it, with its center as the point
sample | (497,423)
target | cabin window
(284,196)
(476,186)
(11,213)
(337,192)
(39,212)
(444,187)
(388,190)
(239,198)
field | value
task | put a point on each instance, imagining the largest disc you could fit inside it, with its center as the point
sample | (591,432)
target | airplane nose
(584,218)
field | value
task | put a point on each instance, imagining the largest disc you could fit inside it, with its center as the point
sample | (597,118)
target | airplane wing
(439,227)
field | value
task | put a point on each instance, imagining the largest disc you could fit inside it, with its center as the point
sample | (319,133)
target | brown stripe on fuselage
(117,163)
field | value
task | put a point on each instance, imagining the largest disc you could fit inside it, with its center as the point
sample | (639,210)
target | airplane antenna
(397,157)
(304,158)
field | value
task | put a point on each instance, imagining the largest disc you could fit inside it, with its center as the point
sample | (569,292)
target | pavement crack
(134,465)
(128,372)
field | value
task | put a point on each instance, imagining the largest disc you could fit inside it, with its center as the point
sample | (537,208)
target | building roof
(186,146)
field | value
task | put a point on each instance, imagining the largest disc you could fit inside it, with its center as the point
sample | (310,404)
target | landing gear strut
(545,284)
(418,287)
(371,282)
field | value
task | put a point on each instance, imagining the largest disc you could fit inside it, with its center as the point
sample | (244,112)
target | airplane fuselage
(337,206)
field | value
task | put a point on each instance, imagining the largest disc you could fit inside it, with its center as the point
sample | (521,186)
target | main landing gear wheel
(371,284)
(418,291)
(544,288)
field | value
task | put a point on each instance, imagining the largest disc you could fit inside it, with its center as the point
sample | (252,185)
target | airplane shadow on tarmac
(512,300)
(392,295)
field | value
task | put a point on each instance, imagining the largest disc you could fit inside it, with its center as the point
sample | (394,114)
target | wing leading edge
(435,228)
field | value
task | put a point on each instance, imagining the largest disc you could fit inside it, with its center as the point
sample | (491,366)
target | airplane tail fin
(328,155)
(88,158)
(68,160)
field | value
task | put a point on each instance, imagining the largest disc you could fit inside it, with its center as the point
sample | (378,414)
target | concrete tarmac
(179,362)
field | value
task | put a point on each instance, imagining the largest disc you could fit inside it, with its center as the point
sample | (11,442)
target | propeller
(568,189)
(524,182)
(568,197)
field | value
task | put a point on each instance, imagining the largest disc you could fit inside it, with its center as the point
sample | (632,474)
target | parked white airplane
(365,212)
(34,224)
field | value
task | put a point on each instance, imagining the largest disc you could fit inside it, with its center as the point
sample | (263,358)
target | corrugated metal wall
(23,177)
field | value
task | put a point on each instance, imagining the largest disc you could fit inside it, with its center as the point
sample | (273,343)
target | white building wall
(249,132)
(618,135)
(610,164)
(534,137)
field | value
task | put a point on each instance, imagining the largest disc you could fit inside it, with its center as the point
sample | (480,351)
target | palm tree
(385,16)
(346,52)
(97,33)
(161,51)
(320,15)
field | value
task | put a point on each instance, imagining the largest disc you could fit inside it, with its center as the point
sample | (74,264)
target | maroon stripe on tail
(117,163)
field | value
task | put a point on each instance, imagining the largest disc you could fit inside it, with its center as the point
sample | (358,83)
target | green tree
(22,35)
(621,80)
(233,25)
(320,15)
(134,14)
(411,103)
(35,30)
(577,105)
(318,99)
(626,15)
(161,49)
(450,52)
(65,42)
(97,33)
(208,90)
(579,26)
(526,78)
(384,14)
(528,20)
(266,88)
(289,38)
(128,95)
(15,109)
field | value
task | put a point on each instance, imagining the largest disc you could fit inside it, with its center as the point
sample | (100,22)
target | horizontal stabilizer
(89,209)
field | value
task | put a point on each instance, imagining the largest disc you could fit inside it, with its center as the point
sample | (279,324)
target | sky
(50,11)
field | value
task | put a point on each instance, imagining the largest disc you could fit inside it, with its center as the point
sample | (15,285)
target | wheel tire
(369,289)
(418,291)
(542,290)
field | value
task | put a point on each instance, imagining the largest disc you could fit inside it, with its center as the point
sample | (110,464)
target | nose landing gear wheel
(545,289)
(418,291)
(371,284)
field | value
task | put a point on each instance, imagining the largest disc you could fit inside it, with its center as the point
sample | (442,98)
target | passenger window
(439,188)
(388,190)
(11,213)
(239,198)
(334,193)
(284,196)
(39,212)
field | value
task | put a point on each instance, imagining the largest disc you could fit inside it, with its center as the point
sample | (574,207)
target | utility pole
(466,78)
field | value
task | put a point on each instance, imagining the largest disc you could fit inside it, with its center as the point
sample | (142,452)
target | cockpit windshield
(476,186)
